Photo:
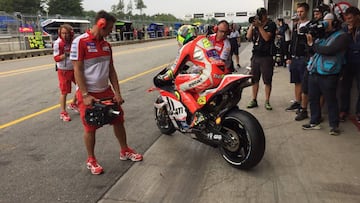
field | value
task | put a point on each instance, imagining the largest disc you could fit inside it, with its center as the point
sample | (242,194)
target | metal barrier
(151,34)
(159,34)
(128,36)
(11,43)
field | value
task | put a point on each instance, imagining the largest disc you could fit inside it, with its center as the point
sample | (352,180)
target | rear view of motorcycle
(237,133)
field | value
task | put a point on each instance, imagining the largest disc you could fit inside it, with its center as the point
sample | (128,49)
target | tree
(89,15)
(164,17)
(66,7)
(118,9)
(139,4)
(129,8)
(6,5)
(23,6)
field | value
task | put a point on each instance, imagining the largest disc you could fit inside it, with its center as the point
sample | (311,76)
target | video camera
(102,112)
(315,28)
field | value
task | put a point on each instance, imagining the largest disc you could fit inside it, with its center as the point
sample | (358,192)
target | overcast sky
(184,7)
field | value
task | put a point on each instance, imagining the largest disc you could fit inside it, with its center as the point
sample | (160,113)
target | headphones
(68,28)
(215,28)
(101,23)
(220,22)
(336,22)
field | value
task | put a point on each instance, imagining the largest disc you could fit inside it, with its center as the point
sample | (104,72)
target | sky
(183,8)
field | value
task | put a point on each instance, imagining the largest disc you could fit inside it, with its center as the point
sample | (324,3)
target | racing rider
(207,69)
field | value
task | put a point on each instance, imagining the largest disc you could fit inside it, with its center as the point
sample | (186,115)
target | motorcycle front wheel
(162,119)
(244,144)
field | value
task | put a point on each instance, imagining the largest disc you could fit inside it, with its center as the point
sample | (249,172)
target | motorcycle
(237,133)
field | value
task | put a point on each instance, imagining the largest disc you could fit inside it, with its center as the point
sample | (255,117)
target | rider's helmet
(185,34)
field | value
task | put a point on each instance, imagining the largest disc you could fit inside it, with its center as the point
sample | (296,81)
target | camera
(102,112)
(253,18)
(315,28)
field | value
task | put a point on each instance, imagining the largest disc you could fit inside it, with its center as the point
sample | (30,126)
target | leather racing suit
(210,70)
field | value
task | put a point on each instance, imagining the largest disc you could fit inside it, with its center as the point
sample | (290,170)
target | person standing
(284,37)
(352,67)
(299,55)
(262,33)
(302,113)
(94,68)
(234,39)
(222,44)
(324,69)
(64,69)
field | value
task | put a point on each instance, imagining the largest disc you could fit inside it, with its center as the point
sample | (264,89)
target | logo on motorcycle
(206,43)
(194,83)
(201,100)
(218,76)
(178,111)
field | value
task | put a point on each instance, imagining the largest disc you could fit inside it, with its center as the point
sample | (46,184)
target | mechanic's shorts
(99,95)
(297,69)
(262,66)
(66,77)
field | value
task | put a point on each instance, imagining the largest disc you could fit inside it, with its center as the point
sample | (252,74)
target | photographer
(262,33)
(324,68)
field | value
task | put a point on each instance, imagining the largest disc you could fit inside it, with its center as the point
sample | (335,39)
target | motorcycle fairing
(175,108)
(228,79)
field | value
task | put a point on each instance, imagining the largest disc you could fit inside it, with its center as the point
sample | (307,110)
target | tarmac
(174,176)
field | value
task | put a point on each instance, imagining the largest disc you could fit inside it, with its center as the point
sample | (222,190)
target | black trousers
(325,85)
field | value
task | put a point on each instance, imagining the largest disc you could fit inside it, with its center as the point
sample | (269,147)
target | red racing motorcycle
(237,133)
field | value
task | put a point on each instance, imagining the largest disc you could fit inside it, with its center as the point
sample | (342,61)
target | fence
(11,39)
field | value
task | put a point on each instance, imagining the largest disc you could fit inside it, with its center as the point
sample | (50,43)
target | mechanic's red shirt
(97,57)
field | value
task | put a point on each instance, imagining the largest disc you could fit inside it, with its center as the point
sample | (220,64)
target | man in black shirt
(262,32)
(299,54)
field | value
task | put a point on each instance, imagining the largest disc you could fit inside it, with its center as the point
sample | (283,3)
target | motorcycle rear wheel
(245,145)
(162,119)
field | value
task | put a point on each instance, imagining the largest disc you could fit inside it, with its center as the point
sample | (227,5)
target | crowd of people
(322,54)
(87,61)
(323,60)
